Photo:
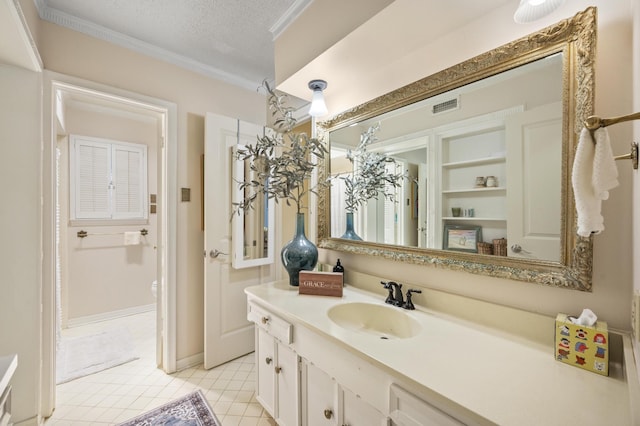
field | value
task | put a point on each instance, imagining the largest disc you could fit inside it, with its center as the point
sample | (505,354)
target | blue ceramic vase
(350,234)
(299,254)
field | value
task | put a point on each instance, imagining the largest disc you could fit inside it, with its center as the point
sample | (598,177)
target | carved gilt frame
(576,39)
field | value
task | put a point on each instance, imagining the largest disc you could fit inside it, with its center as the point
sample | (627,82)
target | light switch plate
(186,194)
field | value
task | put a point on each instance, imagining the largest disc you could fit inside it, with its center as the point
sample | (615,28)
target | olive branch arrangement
(370,177)
(282,161)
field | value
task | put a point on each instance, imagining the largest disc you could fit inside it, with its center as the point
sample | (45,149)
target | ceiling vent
(445,106)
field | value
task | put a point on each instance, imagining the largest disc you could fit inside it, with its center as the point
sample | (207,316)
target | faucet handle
(389,286)
(409,304)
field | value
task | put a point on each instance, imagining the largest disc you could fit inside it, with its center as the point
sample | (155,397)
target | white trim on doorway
(55,83)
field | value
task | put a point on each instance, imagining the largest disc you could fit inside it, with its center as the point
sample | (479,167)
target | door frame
(167,225)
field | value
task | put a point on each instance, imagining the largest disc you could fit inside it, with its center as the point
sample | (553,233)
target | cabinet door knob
(265,320)
(278,370)
(328,413)
(268,360)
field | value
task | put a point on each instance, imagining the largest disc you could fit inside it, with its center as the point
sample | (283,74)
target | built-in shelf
(471,190)
(476,162)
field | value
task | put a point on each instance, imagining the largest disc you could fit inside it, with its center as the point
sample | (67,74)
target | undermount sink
(382,321)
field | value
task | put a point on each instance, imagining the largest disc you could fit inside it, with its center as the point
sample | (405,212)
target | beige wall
(20,225)
(194,94)
(99,273)
(71,53)
(308,35)
(612,274)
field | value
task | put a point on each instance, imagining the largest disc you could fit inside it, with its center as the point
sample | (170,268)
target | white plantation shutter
(108,179)
(128,182)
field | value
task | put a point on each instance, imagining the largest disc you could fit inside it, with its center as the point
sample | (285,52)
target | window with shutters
(108,179)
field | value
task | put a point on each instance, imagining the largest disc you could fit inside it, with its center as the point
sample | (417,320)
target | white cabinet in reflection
(534,174)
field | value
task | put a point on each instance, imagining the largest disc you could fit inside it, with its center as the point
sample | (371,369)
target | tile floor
(120,393)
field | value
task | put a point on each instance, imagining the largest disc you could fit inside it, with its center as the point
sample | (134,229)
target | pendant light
(318,107)
(532,10)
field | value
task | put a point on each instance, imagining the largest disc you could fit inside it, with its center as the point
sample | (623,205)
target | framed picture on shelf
(461,238)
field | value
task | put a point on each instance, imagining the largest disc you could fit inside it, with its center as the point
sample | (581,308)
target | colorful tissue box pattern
(582,346)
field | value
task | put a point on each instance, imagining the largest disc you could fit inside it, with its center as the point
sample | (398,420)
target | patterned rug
(191,409)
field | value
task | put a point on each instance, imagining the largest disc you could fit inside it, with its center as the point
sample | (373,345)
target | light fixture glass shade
(318,107)
(532,10)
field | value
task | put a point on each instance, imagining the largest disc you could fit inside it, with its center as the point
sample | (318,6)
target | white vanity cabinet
(277,367)
(326,402)
(345,376)
(409,410)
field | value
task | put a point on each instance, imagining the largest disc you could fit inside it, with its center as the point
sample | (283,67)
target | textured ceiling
(227,39)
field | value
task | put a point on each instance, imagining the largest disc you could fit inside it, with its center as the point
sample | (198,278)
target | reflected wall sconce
(532,10)
(318,107)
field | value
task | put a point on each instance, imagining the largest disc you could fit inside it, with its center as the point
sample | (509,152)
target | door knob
(215,253)
(328,413)
(516,248)
(278,370)
(268,360)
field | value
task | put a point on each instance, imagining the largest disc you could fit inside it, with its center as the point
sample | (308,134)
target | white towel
(594,174)
(132,238)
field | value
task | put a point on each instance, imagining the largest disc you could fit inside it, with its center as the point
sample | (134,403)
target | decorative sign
(321,283)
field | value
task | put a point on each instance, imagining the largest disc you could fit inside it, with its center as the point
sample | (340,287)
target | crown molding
(288,17)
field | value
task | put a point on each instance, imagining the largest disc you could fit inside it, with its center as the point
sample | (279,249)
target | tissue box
(586,347)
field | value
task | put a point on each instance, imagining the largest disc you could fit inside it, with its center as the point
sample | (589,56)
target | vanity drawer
(274,325)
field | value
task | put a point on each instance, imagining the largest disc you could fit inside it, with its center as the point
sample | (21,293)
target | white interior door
(534,143)
(228,334)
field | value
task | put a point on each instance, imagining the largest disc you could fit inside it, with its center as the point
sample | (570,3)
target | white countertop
(501,379)
(8,365)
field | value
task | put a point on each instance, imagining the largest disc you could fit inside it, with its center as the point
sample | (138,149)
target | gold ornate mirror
(488,146)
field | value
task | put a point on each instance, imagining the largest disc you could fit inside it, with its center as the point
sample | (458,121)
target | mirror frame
(576,39)
(237,259)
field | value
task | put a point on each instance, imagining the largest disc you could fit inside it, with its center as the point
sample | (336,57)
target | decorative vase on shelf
(350,234)
(299,254)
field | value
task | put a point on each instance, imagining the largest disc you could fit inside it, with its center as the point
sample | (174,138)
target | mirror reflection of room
(473,157)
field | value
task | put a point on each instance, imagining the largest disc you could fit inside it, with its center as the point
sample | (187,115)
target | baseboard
(33,421)
(104,316)
(190,361)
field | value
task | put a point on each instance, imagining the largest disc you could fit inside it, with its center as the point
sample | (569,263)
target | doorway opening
(84,290)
